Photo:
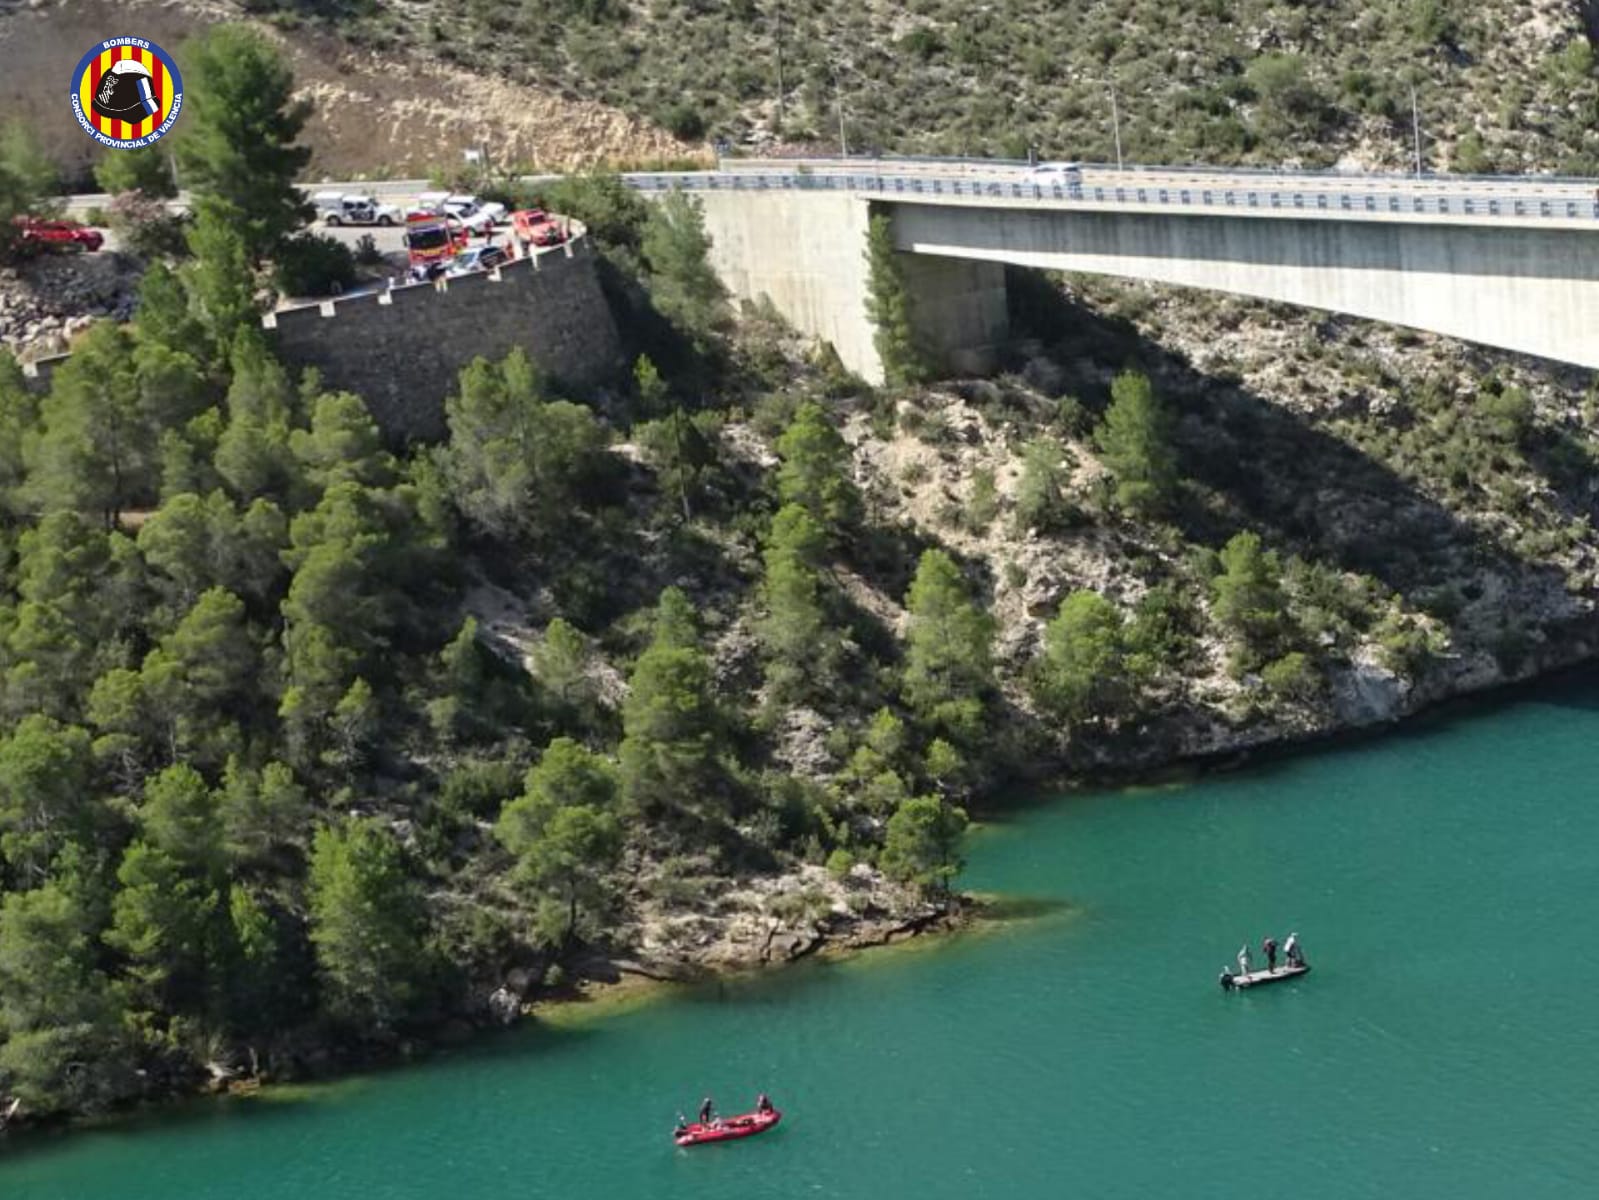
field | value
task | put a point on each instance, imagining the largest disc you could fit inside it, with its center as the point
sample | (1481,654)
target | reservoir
(1443,880)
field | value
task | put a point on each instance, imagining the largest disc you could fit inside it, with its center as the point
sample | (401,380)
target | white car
(352,208)
(478,217)
(1067,176)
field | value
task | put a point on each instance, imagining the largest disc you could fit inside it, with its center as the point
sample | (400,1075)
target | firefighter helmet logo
(126,92)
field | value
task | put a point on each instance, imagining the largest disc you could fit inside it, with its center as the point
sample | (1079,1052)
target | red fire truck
(432,240)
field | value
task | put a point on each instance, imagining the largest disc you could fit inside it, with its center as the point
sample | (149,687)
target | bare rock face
(46,301)
(504,1004)
(1368,693)
(802,742)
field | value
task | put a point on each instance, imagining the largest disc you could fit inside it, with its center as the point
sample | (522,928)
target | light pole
(1415,127)
(1116,125)
(838,103)
(778,35)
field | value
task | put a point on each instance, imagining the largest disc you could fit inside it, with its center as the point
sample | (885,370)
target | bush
(145,225)
(684,122)
(1292,677)
(310,264)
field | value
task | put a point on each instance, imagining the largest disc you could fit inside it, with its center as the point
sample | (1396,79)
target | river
(1442,879)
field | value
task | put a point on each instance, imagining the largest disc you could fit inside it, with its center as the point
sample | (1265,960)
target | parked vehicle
(535,227)
(354,209)
(477,216)
(62,234)
(431,241)
(479,258)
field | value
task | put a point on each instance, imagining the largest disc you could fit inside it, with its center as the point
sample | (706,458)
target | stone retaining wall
(402,350)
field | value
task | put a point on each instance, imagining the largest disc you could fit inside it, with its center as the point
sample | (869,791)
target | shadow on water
(1575,687)
(292,1100)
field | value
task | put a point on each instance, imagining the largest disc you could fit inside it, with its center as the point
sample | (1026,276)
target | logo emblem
(126,92)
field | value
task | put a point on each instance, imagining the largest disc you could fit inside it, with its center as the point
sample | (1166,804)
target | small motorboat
(1293,970)
(726,1129)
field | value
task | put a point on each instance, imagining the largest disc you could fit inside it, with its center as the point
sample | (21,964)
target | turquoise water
(1443,882)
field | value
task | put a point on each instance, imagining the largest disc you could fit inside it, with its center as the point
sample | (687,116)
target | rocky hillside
(392,112)
(1506,85)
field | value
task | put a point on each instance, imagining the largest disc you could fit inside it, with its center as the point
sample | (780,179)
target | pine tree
(218,280)
(368,925)
(1248,597)
(668,721)
(239,151)
(922,843)
(343,443)
(564,832)
(1082,673)
(1135,442)
(793,631)
(97,453)
(888,307)
(814,474)
(949,662)
(682,284)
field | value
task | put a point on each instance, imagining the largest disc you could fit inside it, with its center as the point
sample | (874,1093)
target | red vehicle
(67,234)
(726,1129)
(535,227)
(432,240)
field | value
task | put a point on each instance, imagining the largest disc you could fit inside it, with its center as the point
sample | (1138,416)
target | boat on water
(1257,978)
(726,1129)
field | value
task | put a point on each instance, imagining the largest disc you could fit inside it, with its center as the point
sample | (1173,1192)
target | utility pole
(838,103)
(1116,124)
(778,34)
(1415,127)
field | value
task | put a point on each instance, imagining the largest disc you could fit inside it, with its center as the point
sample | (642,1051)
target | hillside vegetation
(1501,86)
(311,745)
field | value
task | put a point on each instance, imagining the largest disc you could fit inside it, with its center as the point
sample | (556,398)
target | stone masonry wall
(402,350)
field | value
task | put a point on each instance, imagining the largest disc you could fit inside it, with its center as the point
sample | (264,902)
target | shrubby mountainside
(1500,86)
(311,747)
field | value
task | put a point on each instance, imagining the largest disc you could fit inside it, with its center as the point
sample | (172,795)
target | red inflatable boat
(727,1128)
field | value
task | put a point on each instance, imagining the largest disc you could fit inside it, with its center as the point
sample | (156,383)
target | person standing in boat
(763,1104)
(1243,959)
(707,1111)
(1269,948)
(1292,952)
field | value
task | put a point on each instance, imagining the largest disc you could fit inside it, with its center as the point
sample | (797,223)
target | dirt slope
(376,115)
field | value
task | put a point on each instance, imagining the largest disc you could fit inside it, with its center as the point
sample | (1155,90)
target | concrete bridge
(1506,262)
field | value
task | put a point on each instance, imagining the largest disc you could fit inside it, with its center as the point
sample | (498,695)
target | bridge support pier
(959,308)
(805,252)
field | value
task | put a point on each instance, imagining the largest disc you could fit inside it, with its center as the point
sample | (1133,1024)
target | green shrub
(311,264)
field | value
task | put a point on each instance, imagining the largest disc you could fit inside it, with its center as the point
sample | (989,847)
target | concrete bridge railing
(1512,263)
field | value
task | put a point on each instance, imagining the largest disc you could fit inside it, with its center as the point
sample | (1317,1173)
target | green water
(1442,880)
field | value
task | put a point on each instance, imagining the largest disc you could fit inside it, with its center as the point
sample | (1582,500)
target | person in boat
(1292,952)
(1269,949)
(763,1104)
(1243,959)
(682,1126)
(1225,979)
(707,1112)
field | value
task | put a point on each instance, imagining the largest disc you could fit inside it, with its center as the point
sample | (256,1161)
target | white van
(350,208)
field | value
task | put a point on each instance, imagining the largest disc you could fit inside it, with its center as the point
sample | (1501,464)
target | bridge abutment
(805,252)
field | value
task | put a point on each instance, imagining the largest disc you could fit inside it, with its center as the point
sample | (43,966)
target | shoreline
(604,984)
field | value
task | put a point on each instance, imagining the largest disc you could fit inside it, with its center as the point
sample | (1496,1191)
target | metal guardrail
(734,163)
(1246,196)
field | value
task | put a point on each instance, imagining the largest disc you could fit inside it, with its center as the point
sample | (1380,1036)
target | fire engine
(431,241)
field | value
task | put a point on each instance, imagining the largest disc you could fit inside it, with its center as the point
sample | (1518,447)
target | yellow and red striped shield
(165,88)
